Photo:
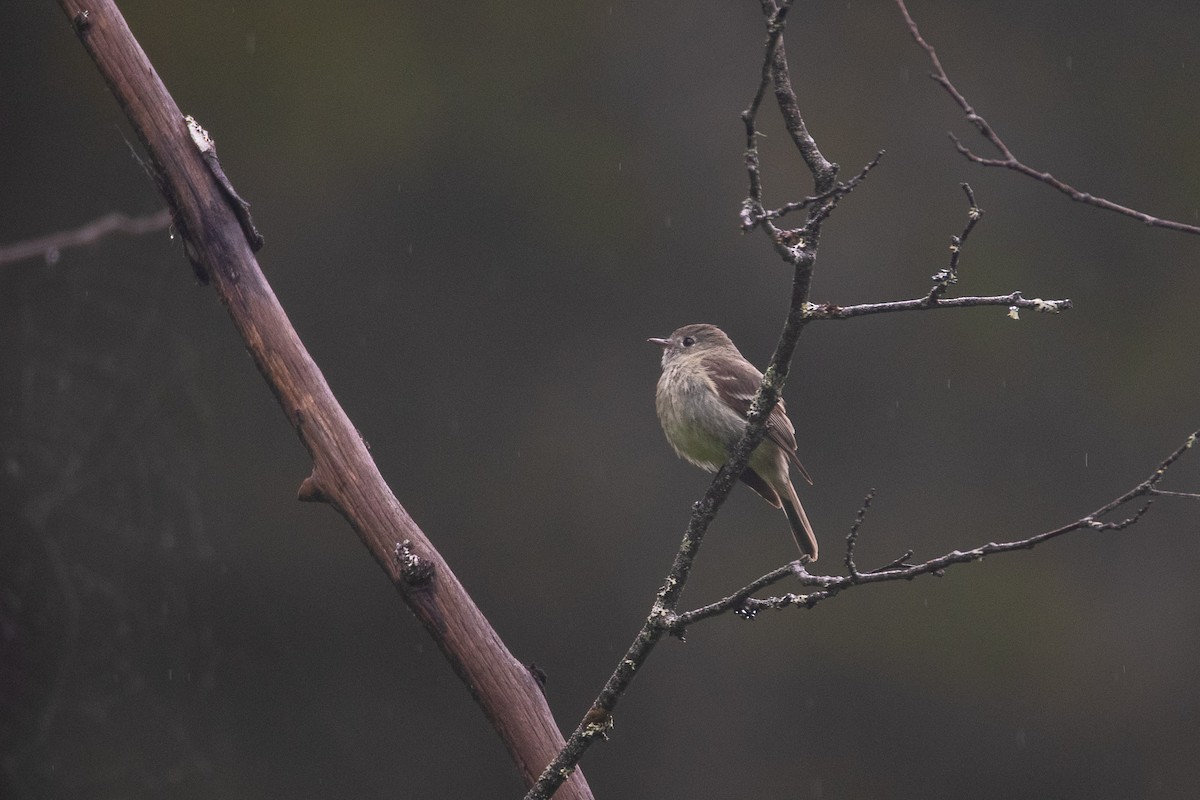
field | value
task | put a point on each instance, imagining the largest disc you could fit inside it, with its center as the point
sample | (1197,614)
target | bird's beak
(663,343)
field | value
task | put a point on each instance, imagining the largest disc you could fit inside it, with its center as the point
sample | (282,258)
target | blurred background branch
(50,247)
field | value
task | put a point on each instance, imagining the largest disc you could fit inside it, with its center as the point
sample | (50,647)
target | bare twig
(800,252)
(741,602)
(49,247)
(735,602)
(942,281)
(1008,160)
(1165,493)
(824,172)
(944,278)
(1012,301)
(852,538)
(797,246)
(754,215)
(752,207)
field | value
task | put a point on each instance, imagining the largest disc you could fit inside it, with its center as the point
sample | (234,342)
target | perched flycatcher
(703,398)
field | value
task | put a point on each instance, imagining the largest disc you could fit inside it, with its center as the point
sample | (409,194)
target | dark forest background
(475,215)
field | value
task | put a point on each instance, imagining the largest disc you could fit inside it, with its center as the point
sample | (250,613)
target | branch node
(414,570)
(746,611)
(946,277)
(538,674)
(899,563)
(311,491)
(598,722)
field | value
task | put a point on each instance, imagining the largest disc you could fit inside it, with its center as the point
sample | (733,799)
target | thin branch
(1165,493)
(1014,302)
(753,214)
(797,247)
(735,602)
(753,206)
(1008,160)
(49,247)
(944,278)
(852,538)
(741,602)
(824,172)
(800,253)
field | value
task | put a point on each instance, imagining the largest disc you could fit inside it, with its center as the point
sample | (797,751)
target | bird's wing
(737,383)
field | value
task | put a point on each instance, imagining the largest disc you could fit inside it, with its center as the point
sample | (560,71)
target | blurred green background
(475,215)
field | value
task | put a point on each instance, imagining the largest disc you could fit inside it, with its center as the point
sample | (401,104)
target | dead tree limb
(343,473)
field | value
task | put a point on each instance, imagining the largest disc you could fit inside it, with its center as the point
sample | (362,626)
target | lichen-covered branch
(1013,302)
(745,605)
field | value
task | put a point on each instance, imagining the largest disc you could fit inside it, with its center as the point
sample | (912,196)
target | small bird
(703,398)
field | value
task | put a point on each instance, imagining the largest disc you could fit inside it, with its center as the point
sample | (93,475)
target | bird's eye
(688,341)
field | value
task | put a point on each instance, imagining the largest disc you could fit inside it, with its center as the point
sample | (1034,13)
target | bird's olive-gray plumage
(703,399)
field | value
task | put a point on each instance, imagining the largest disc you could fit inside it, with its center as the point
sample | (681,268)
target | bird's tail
(806,540)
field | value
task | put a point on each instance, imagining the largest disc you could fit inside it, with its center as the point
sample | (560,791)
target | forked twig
(1007,159)
(745,605)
